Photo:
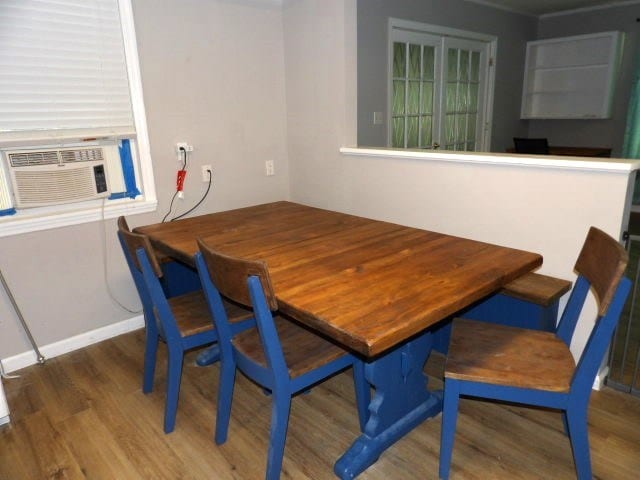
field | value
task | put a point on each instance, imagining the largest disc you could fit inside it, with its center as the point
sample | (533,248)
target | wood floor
(83,416)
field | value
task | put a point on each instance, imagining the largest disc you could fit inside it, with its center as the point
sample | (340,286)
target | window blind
(63,73)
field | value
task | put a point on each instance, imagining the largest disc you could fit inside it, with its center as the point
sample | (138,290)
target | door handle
(435,145)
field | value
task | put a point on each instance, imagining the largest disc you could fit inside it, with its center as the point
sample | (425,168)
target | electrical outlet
(207,173)
(186,146)
(269,168)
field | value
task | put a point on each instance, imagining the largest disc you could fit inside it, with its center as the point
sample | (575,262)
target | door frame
(438,30)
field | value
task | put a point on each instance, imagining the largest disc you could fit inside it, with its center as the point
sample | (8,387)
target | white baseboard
(4,408)
(598,383)
(67,345)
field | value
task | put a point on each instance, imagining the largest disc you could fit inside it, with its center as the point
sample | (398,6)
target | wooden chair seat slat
(193,315)
(303,350)
(505,355)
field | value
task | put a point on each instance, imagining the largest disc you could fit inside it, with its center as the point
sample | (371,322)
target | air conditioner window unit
(42,177)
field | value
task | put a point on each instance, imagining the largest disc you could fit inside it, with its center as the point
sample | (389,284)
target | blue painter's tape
(8,211)
(127,171)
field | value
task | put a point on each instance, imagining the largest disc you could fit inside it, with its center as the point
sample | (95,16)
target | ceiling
(540,7)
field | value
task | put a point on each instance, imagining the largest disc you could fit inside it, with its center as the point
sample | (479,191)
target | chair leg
(174,376)
(565,422)
(150,355)
(225,399)
(449,419)
(579,436)
(279,423)
(363,393)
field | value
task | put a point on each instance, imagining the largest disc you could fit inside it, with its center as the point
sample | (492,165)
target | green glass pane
(428,63)
(450,129)
(461,128)
(473,97)
(398,132)
(449,147)
(471,126)
(426,134)
(452,88)
(413,98)
(459,146)
(398,97)
(412,132)
(461,99)
(452,64)
(414,61)
(427,97)
(464,65)
(475,66)
(399,59)
(471,146)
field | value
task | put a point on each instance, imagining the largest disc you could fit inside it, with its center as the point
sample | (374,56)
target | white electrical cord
(105,265)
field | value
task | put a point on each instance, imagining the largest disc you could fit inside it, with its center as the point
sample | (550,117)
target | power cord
(200,201)
(105,265)
(184,168)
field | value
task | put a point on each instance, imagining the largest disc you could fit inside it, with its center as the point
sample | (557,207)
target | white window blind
(63,72)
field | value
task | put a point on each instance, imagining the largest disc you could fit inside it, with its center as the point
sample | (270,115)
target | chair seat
(505,355)
(193,315)
(303,350)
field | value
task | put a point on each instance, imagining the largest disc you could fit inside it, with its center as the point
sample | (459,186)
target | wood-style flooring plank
(83,416)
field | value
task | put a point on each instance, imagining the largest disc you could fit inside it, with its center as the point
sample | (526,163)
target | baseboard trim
(598,383)
(26,359)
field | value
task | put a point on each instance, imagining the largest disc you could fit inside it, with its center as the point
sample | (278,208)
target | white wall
(213,75)
(546,210)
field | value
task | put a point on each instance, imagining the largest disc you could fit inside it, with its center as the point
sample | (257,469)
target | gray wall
(213,76)
(512,30)
(596,133)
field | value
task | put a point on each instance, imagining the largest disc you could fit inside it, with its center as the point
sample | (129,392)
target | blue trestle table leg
(208,356)
(400,403)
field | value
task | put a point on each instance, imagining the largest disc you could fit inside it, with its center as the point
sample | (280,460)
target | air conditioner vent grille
(31,159)
(66,185)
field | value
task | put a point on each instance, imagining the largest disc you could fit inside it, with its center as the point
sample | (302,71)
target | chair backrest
(600,267)
(539,146)
(248,283)
(132,244)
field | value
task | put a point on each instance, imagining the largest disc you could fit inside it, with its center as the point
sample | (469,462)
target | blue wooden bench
(530,301)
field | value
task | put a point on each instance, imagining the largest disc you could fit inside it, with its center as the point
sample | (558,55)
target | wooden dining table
(379,289)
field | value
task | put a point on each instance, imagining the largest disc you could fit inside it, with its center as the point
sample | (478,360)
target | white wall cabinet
(571,77)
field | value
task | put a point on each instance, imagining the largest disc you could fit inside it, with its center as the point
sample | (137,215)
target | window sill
(45,218)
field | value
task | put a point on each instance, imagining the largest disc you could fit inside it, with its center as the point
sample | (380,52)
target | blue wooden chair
(183,321)
(535,367)
(279,355)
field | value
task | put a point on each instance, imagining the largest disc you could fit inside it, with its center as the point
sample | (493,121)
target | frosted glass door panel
(414,73)
(465,65)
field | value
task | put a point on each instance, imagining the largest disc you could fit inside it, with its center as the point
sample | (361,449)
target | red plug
(180,180)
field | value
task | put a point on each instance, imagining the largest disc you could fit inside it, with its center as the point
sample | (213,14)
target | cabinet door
(571,77)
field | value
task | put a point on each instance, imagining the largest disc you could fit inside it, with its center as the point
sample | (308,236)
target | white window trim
(44,218)
(492,40)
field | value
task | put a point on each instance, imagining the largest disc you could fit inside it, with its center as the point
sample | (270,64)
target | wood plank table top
(368,284)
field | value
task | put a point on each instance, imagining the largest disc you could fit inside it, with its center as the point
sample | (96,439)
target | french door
(440,88)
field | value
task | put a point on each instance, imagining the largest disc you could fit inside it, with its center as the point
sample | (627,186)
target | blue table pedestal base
(208,356)
(400,403)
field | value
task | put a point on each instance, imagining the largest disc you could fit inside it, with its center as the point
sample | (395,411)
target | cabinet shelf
(571,77)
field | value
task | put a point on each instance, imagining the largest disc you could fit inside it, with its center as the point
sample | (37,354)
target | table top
(368,284)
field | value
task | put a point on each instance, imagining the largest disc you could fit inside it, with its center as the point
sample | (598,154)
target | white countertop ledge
(612,165)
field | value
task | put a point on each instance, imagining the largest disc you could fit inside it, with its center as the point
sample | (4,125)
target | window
(440,87)
(70,83)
